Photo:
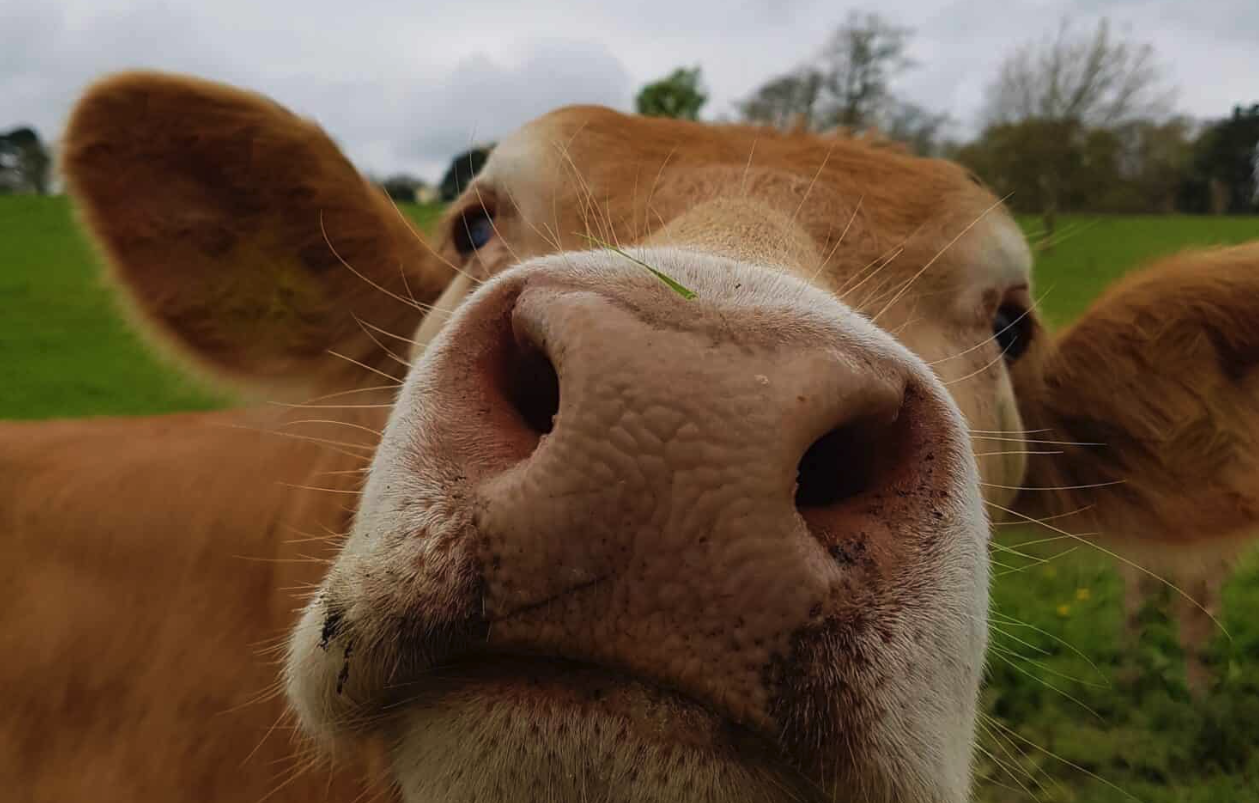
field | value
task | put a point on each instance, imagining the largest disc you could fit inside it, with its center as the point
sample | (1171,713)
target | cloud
(406,85)
(485,98)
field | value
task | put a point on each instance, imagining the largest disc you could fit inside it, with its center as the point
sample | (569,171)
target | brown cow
(699,515)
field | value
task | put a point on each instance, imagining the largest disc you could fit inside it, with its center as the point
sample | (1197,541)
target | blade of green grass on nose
(671,282)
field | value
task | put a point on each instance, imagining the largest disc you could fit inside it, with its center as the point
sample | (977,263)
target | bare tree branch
(1094,80)
(847,83)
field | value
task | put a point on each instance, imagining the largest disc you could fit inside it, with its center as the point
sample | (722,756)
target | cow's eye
(1012,329)
(473,230)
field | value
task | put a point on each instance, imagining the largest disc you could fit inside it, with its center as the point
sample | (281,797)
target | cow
(663,470)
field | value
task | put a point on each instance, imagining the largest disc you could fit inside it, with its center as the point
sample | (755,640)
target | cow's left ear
(1156,390)
(243,238)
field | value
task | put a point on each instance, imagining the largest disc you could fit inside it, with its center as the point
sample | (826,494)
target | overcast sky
(405,84)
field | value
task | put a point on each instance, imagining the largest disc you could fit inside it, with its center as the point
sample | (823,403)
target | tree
(1224,176)
(862,57)
(848,84)
(1010,158)
(1071,84)
(463,168)
(786,101)
(1154,160)
(919,128)
(402,187)
(25,165)
(1092,79)
(680,94)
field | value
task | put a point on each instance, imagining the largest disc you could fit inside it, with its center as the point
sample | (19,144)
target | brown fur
(216,202)
(125,587)
(134,609)
(142,625)
(1159,373)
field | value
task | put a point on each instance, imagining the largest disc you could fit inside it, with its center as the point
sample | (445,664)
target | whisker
(1015,735)
(552,241)
(412,229)
(406,283)
(808,190)
(1123,560)
(994,335)
(333,422)
(1030,440)
(747,168)
(1034,562)
(272,690)
(476,187)
(996,630)
(372,389)
(1010,621)
(590,205)
(981,370)
(874,294)
(348,491)
(1051,540)
(409,302)
(878,264)
(1053,487)
(331,406)
(1001,765)
(1045,668)
(1011,751)
(1008,568)
(342,472)
(1064,234)
(365,366)
(403,362)
(908,323)
(826,261)
(263,740)
(338,447)
(651,193)
(993,545)
(1048,685)
(932,261)
(394,335)
(301,767)
(297,560)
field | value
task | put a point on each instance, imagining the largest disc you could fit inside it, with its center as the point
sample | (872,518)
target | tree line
(1078,121)
(25,164)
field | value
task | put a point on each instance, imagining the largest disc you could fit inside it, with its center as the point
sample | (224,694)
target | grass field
(1090,720)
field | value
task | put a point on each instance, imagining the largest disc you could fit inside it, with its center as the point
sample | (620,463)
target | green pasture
(1077,715)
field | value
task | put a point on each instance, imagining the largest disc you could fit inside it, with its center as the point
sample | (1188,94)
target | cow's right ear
(242,236)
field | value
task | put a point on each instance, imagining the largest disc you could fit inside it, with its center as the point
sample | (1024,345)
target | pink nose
(675,495)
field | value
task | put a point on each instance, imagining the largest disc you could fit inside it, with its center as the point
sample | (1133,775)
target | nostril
(838,465)
(533,386)
(847,461)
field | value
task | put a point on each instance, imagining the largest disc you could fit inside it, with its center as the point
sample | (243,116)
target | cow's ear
(1156,391)
(242,236)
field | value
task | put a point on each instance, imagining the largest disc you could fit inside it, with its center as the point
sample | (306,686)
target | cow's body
(139,553)
(543,595)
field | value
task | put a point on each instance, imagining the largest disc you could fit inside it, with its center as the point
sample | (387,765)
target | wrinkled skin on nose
(655,526)
(754,499)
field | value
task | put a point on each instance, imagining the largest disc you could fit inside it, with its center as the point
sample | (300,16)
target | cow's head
(686,493)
